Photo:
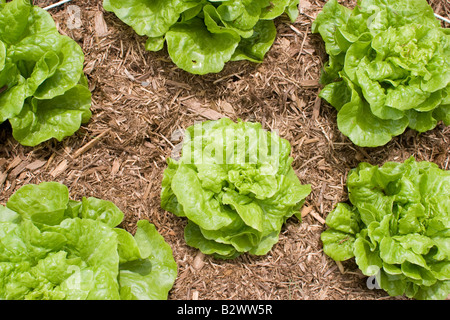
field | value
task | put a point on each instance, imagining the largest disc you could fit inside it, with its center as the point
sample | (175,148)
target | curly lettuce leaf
(357,122)
(149,273)
(195,49)
(396,227)
(41,120)
(150,18)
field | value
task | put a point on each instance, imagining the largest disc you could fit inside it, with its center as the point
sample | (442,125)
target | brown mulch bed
(141,98)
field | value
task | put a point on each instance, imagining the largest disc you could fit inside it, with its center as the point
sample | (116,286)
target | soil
(141,98)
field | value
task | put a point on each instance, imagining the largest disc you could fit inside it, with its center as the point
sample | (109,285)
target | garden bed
(140,100)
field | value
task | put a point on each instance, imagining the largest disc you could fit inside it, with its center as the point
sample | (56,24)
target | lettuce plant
(397,227)
(388,68)
(43,91)
(54,248)
(235,185)
(202,35)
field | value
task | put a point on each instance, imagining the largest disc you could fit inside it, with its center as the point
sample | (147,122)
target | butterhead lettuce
(203,35)
(55,248)
(396,226)
(388,68)
(235,185)
(43,91)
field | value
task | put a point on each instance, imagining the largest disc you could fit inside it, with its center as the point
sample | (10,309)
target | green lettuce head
(388,68)
(43,91)
(235,185)
(54,248)
(203,35)
(397,227)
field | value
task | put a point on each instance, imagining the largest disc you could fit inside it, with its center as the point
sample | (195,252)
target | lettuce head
(43,91)
(202,35)
(54,248)
(388,68)
(235,185)
(397,227)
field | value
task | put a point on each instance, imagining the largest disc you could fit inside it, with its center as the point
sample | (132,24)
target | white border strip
(56,4)
(442,18)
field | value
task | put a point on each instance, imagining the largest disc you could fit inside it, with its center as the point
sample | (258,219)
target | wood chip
(199,261)
(313,140)
(316,108)
(317,216)
(196,107)
(3,176)
(115,167)
(101,28)
(226,107)
(16,161)
(90,144)
(310,83)
(306,210)
(18,169)
(148,189)
(62,166)
(36,165)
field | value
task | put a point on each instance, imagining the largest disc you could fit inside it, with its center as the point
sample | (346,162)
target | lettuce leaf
(54,248)
(235,185)
(396,227)
(391,61)
(203,35)
(45,94)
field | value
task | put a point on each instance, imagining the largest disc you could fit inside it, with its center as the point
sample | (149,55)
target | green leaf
(101,210)
(292,10)
(442,113)
(255,47)
(338,245)
(44,203)
(153,275)
(195,238)
(249,211)
(199,205)
(153,18)
(241,14)
(13,20)
(12,101)
(356,121)
(337,94)
(194,49)
(154,43)
(271,10)
(41,120)
(344,218)
(328,20)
